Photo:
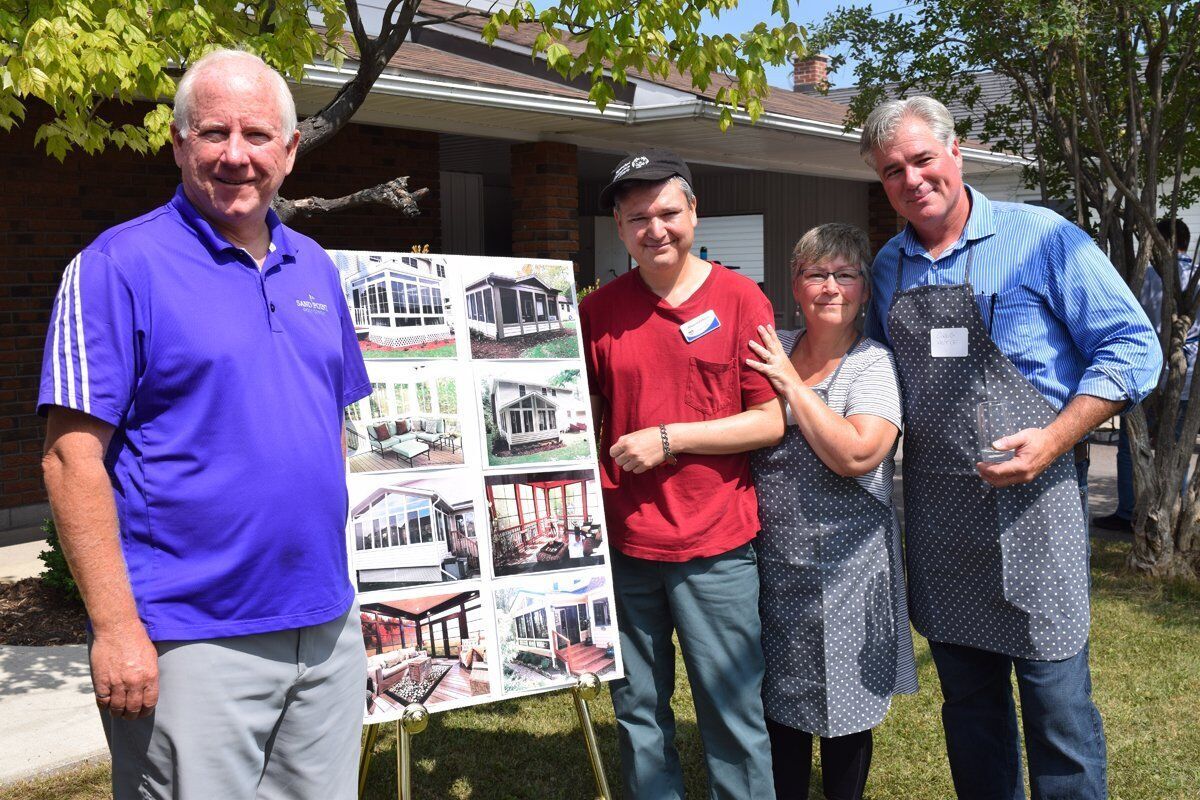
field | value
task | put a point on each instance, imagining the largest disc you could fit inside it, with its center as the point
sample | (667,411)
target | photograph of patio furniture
(534,413)
(410,419)
(553,628)
(429,648)
(520,310)
(400,303)
(541,521)
(404,534)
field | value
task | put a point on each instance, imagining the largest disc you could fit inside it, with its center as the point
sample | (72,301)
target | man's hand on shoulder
(1034,449)
(125,672)
(639,451)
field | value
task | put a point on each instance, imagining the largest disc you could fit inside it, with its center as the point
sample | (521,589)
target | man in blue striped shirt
(1012,306)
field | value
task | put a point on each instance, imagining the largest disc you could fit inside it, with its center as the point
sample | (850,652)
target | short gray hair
(217,59)
(830,241)
(881,126)
(624,188)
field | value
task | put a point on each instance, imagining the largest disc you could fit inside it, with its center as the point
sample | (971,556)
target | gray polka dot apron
(1003,570)
(829,585)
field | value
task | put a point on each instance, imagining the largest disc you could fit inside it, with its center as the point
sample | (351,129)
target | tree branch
(394,194)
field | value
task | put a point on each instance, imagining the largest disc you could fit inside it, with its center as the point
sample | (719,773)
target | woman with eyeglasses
(834,613)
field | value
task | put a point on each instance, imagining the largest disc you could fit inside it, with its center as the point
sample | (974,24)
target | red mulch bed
(34,614)
(367,344)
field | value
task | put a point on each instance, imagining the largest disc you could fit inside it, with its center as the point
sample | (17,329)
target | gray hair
(249,62)
(881,125)
(833,240)
(626,187)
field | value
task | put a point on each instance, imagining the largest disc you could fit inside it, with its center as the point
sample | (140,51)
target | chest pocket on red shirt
(712,387)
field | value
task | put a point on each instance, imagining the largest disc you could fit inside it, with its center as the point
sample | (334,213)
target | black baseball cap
(654,164)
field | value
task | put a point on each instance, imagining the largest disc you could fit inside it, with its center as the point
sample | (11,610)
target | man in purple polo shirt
(196,368)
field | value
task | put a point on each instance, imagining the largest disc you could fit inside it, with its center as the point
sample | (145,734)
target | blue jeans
(1125,465)
(712,604)
(1064,736)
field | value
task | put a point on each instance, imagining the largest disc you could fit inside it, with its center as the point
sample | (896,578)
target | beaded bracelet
(668,456)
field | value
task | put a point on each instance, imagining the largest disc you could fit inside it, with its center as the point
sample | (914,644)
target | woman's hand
(775,363)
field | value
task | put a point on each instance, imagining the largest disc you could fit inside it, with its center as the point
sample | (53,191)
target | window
(539,624)
(504,506)
(358,536)
(403,404)
(379,408)
(353,412)
(447,394)
(541,307)
(600,612)
(398,306)
(514,422)
(488,311)
(424,398)
(520,389)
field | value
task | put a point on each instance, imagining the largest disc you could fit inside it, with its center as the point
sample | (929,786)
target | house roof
(492,279)
(417,607)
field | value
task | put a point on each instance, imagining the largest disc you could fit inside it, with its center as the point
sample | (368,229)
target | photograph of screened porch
(410,419)
(429,649)
(554,629)
(409,534)
(535,415)
(399,303)
(545,521)
(500,307)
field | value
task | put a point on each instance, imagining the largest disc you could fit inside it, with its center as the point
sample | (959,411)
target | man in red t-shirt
(666,350)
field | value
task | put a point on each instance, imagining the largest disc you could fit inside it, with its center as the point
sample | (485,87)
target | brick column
(882,220)
(545,195)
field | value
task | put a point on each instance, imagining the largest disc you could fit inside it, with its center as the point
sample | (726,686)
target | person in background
(1151,300)
(833,604)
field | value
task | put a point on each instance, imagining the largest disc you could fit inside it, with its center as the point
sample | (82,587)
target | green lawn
(566,346)
(1146,668)
(575,447)
(445,351)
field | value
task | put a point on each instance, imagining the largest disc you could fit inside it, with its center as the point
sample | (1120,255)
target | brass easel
(416,718)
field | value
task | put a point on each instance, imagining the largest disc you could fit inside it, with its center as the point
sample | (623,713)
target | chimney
(809,74)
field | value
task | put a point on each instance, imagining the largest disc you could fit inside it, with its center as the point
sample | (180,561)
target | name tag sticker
(699,326)
(948,342)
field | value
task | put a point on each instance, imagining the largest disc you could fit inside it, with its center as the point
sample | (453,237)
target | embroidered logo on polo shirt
(312,306)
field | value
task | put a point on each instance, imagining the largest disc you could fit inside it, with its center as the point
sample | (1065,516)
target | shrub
(57,574)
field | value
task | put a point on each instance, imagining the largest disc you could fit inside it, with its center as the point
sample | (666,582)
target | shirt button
(272,306)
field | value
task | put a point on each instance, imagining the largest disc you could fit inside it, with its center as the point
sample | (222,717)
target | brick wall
(49,211)
(545,194)
(882,220)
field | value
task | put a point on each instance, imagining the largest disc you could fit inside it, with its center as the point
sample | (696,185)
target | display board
(476,533)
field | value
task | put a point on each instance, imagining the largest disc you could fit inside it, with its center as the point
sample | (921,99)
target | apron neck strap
(900,268)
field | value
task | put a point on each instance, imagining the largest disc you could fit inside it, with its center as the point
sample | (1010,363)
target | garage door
(734,241)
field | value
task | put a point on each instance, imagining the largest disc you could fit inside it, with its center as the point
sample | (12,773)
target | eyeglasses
(844,277)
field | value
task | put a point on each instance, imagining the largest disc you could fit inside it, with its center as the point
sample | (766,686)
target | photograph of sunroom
(431,649)
(540,521)
(520,310)
(415,532)
(534,413)
(400,303)
(554,628)
(410,419)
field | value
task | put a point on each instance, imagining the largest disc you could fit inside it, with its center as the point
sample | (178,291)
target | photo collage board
(476,532)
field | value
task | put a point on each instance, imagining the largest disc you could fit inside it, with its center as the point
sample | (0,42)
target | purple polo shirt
(225,386)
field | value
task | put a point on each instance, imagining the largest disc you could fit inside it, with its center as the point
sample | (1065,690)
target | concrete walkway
(50,719)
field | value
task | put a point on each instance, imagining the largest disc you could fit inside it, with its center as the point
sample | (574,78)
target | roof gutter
(705,109)
(328,76)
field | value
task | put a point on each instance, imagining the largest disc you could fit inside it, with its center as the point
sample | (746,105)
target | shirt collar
(281,248)
(981,223)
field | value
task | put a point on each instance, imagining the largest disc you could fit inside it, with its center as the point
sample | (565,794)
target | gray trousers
(271,715)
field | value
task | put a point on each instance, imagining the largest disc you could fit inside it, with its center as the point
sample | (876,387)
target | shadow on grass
(1173,603)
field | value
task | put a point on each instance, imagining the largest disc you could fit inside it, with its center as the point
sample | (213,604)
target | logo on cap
(635,163)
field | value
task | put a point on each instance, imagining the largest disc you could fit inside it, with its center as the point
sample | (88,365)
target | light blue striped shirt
(1054,303)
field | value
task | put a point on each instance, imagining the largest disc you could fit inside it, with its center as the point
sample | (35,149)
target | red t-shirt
(647,373)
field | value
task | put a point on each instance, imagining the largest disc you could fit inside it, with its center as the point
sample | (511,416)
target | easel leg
(587,688)
(415,718)
(364,758)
